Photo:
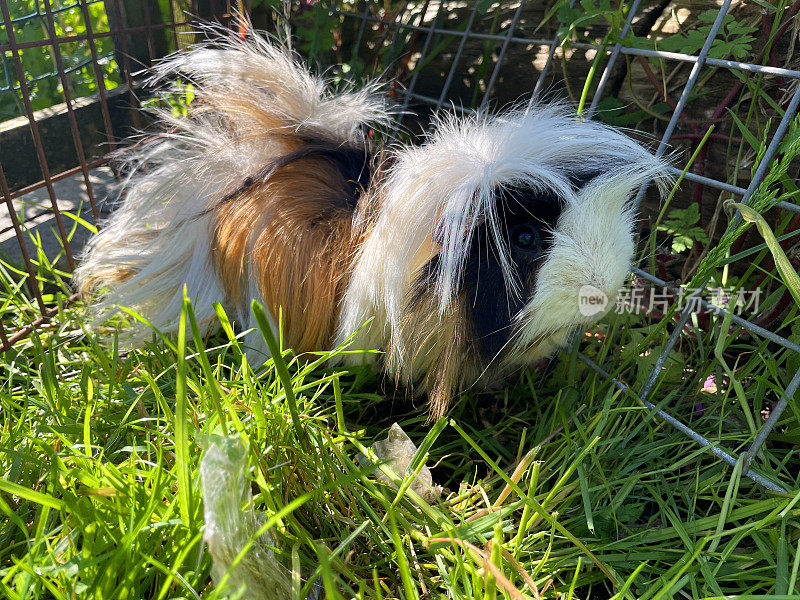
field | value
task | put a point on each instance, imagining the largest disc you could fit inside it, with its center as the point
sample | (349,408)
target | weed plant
(557,486)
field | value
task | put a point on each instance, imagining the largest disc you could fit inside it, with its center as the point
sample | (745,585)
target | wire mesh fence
(701,72)
(41,72)
(424,23)
(55,54)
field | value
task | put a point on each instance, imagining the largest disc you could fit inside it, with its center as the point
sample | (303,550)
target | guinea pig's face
(585,265)
(491,243)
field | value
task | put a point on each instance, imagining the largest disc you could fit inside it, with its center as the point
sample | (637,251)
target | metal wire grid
(699,61)
(13,47)
(409,94)
(40,15)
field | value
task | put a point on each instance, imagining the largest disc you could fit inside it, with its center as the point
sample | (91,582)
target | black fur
(355,165)
(490,302)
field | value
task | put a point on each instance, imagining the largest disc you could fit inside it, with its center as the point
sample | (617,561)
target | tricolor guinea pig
(466,254)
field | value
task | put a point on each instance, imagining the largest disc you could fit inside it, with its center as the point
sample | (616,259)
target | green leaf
(785,268)
(31,495)
(681,225)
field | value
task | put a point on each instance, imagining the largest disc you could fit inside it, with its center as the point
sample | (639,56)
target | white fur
(432,200)
(450,182)
(593,246)
(259,70)
(160,230)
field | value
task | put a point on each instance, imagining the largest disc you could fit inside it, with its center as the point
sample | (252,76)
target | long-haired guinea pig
(466,254)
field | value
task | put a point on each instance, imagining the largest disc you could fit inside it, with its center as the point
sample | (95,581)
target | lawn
(556,486)
(116,463)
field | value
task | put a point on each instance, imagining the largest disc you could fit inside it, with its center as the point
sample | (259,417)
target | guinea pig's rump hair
(297,241)
(250,196)
(467,254)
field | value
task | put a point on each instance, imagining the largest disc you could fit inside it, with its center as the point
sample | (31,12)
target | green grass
(557,485)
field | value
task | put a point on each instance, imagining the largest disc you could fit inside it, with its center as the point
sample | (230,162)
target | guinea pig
(466,255)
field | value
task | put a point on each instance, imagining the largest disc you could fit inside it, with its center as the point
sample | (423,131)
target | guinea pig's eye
(525,237)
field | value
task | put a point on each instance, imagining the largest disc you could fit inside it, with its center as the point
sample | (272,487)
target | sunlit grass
(557,486)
